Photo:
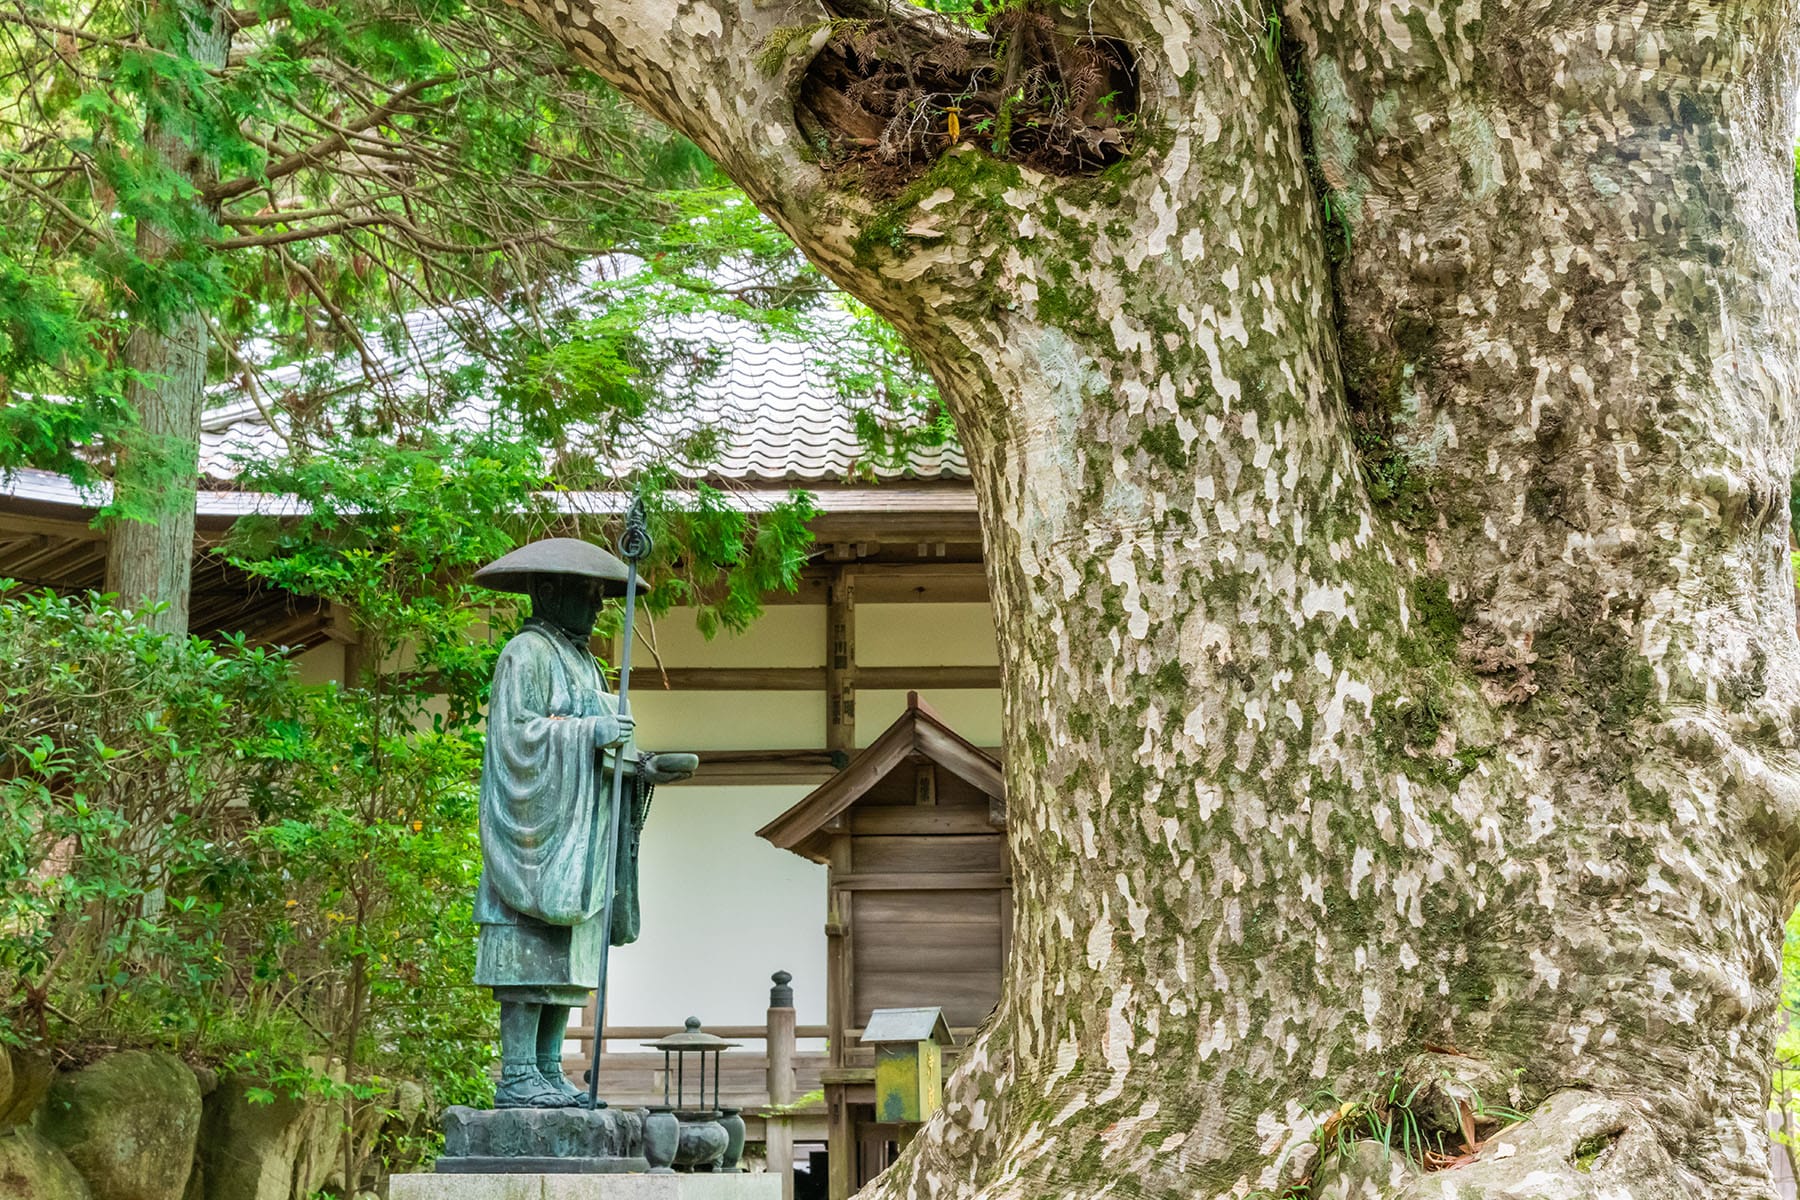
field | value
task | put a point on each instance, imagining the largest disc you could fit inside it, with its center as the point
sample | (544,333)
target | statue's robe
(545,821)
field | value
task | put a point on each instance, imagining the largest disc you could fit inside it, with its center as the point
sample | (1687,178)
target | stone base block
(478,1140)
(758,1186)
(474,1164)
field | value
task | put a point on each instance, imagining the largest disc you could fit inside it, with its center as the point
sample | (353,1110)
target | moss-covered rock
(265,1151)
(29,1073)
(33,1169)
(128,1123)
(1365,1169)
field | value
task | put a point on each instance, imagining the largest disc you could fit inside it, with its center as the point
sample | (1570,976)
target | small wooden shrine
(913,836)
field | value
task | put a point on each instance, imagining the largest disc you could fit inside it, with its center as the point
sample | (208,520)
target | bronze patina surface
(553,730)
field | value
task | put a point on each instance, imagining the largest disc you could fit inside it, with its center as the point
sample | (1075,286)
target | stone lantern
(686,1131)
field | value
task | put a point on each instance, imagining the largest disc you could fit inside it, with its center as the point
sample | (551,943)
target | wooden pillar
(840,1147)
(589,1011)
(840,662)
(340,628)
(840,1133)
(778,1135)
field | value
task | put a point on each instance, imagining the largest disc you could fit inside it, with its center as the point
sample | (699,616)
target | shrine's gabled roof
(918,731)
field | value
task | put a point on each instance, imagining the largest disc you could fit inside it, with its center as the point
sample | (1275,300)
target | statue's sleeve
(539,797)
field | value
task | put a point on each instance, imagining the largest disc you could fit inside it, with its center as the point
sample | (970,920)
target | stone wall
(142,1125)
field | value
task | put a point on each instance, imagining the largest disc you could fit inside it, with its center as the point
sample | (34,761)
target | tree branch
(325,148)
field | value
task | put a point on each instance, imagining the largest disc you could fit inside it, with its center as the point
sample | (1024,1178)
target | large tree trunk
(1400,669)
(150,544)
(149,553)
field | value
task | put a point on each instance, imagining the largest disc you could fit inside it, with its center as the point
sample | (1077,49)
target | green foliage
(1784,1094)
(200,853)
(126,756)
(303,176)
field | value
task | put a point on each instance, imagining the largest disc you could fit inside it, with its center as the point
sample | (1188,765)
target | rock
(1366,1171)
(1299,1166)
(128,1123)
(33,1169)
(206,1078)
(31,1073)
(1444,1086)
(273,1151)
(408,1103)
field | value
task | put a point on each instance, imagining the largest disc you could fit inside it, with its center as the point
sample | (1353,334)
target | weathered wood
(929,856)
(840,661)
(962,757)
(942,820)
(942,881)
(840,1145)
(778,1135)
(584,1030)
(631,1078)
(918,730)
(811,679)
(925,786)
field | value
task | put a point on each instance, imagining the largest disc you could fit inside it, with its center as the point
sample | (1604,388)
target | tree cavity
(888,94)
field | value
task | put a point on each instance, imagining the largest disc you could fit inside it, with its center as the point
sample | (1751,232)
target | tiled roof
(26,489)
(781,418)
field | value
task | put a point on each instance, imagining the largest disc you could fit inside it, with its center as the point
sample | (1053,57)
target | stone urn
(702,1140)
(733,1122)
(662,1140)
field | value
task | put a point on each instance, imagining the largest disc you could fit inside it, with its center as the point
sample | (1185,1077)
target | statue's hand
(667,768)
(613,729)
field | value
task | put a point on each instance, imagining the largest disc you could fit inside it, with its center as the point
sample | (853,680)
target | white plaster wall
(728,720)
(722,910)
(786,635)
(925,635)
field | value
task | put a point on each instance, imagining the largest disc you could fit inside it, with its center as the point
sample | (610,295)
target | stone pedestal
(760,1186)
(540,1141)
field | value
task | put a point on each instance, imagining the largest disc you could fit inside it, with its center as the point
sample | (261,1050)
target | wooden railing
(765,1086)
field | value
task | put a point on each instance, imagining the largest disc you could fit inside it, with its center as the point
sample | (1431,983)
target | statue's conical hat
(555,556)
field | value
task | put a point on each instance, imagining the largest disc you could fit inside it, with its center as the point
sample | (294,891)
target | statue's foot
(574,1097)
(524,1087)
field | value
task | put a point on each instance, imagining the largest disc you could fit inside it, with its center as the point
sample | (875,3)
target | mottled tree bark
(1311,781)
(149,551)
(149,556)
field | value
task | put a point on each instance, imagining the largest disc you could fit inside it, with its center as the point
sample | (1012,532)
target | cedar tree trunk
(1383,471)
(149,553)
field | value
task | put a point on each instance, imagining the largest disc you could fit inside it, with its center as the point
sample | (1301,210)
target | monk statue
(553,732)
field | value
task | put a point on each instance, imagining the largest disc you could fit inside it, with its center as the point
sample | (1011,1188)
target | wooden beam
(76,529)
(840,661)
(650,1033)
(901,526)
(926,881)
(810,679)
(898,583)
(724,768)
(751,767)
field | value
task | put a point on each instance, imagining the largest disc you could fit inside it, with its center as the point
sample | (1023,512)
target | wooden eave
(805,828)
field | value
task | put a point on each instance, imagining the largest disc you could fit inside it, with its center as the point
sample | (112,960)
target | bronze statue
(553,732)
